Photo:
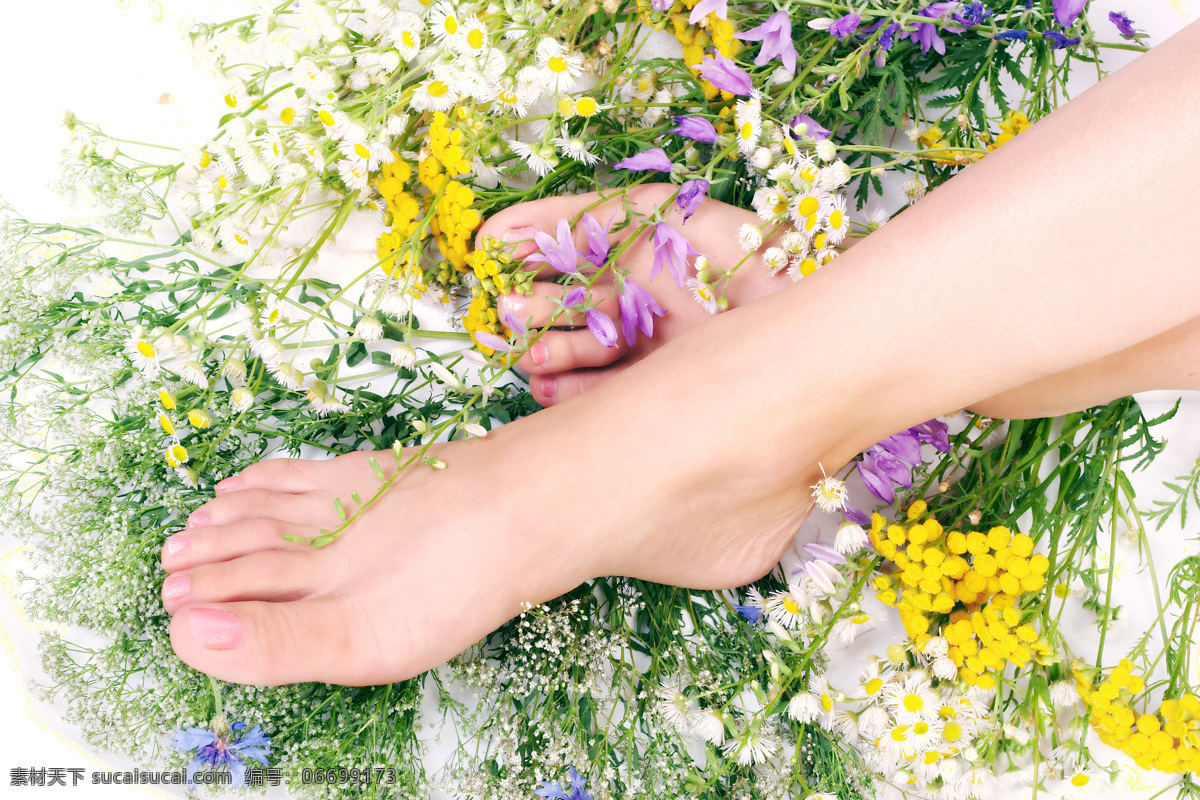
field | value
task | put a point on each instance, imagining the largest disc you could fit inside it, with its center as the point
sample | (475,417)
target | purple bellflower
(926,35)
(1124,24)
(638,310)
(217,751)
(492,341)
(696,128)
(904,446)
(776,37)
(514,323)
(602,327)
(691,196)
(578,788)
(727,76)
(825,553)
(811,127)
(973,14)
(651,159)
(574,297)
(854,515)
(1059,41)
(1017,35)
(1067,11)
(706,7)
(844,27)
(934,432)
(597,239)
(671,250)
(559,252)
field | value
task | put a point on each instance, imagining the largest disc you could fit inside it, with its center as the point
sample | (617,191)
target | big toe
(269,644)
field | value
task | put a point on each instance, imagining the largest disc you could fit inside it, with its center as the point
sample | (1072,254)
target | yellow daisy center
(178,453)
(361,150)
(241,238)
(586,106)
(921,728)
(167,399)
(835,220)
(146,349)
(873,686)
(808,206)
(791,606)
(287,115)
(1080,780)
(557,64)
(475,39)
(451,25)
(913,703)
(408,39)
(231,101)
(900,734)
(747,131)
(222,182)
(438,89)
(826,701)
(326,118)
(952,732)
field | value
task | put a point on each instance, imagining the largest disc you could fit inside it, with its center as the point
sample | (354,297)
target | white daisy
(826,150)
(444,21)
(775,259)
(269,349)
(872,722)
(703,294)
(433,94)
(751,747)
(787,606)
(313,79)
(837,223)
(144,354)
(369,329)
(1063,694)
(576,148)
(557,67)
(353,174)
(241,398)
(674,704)
(850,538)
(288,376)
(762,159)
(834,175)
(708,724)
(749,238)
(748,124)
(829,494)
(802,267)
(472,39)
(847,629)
(403,356)
(912,699)
(405,35)
(541,158)
(193,373)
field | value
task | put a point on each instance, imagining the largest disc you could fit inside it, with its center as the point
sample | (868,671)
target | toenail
(175,545)
(539,353)
(512,304)
(176,586)
(215,630)
(518,234)
(229,484)
(197,519)
(549,387)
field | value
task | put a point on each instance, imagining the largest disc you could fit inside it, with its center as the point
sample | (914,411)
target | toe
(215,543)
(277,474)
(269,575)
(538,309)
(269,644)
(563,351)
(549,390)
(246,504)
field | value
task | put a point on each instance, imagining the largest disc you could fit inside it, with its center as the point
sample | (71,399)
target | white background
(126,66)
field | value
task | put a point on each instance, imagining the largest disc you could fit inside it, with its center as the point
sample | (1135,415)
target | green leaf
(378,470)
(355,354)
(341,511)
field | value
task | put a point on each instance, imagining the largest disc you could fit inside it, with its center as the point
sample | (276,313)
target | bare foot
(521,516)
(565,363)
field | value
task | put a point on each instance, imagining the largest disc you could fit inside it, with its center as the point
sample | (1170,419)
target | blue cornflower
(1017,35)
(1058,41)
(753,614)
(973,14)
(216,750)
(578,788)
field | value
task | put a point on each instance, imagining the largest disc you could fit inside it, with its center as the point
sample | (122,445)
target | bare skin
(569,362)
(693,466)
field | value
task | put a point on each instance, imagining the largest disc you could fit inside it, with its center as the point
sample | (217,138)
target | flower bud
(404,356)
(369,329)
(241,398)
(234,369)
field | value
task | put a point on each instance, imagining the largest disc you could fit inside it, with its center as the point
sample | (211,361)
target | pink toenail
(512,304)
(176,586)
(197,519)
(539,353)
(215,630)
(549,387)
(175,545)
(229,484)
(524,235)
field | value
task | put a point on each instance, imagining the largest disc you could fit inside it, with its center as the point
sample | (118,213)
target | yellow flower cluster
(497,275)
(1017,122)
(1167,740)
(964,586)
(455,222)
(695,39)
(403,213)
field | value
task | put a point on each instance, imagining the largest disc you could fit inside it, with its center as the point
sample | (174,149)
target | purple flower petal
(559,252)
(727,76)
(492,341)
(825,553)
(905,446)
(597,236)
(638,310)
(651,159)
(776,37)
(695,128)
(706,7)
(691,196)
(852,514)
(811,127)
(1124,24)
(876,484)
(602,327)
(514,324)
(1067,11)
(844,27)
(574,297)
(672,250)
